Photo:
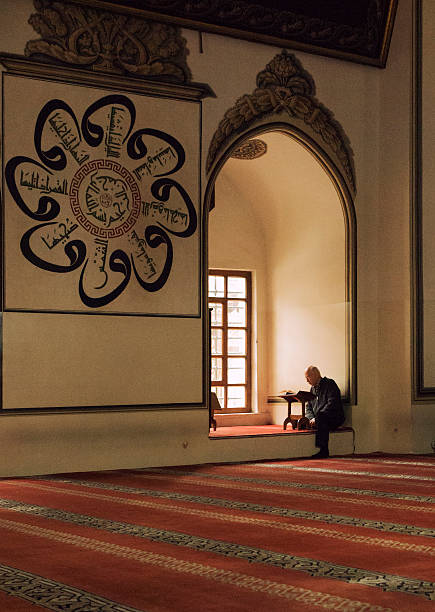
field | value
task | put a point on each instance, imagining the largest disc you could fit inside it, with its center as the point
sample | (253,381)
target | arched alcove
(301,217)
(288,216)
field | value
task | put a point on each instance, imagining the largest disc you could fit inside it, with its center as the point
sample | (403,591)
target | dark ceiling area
(353,30)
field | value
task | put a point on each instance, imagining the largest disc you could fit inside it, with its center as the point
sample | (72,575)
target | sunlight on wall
(281,216)
(236,241)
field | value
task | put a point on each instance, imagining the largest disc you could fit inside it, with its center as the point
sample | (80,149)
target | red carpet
(240,431)
(354,533)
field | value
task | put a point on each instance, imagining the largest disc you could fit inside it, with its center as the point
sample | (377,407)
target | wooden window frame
(248,328)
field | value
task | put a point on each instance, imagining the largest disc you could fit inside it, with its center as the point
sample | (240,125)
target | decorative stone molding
(251,149)
(284,87)
(106,41)
(356,30)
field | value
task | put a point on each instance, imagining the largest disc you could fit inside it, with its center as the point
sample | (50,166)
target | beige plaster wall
(148,362)
(351,91)
(423,414)
(236,241)
(306,284)
(268,212)
(373,106)
(287,206)
(393,231)
(40,443)
(71,442)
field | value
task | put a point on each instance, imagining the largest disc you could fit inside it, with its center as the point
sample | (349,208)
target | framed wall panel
(424,203)
(101,216)
(358,31)
(101,200)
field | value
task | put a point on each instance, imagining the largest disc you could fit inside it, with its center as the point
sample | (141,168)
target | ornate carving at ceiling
(357,30)
(107,41)
(284,87)
(251,149)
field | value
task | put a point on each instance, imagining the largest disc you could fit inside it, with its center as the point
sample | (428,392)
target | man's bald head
(312,375)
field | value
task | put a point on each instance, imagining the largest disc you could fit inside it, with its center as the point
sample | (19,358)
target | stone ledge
(291,445)
(242,418)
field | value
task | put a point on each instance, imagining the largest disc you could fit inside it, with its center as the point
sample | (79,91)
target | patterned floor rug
(348,534)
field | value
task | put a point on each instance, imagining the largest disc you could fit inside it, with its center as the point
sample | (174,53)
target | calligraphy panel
(101,201)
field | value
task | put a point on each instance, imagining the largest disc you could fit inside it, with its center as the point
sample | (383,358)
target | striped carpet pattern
(348,534)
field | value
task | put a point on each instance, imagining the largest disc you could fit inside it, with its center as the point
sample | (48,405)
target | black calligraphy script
(102,197)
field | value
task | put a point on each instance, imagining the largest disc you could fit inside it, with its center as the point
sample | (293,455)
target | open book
(305,396)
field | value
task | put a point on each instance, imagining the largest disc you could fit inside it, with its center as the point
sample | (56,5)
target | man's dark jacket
(327,401)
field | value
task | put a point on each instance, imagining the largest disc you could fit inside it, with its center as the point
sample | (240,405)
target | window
(229,300)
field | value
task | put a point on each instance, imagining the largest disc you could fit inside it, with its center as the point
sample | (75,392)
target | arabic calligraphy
(102,200)
(155,162)
(32,180)
(107,199)
(139,245)
(68,136)
(158,208)
(99,261)
(58,233)
(114,133)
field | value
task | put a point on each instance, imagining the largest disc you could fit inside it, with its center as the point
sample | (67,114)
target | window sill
(242,418)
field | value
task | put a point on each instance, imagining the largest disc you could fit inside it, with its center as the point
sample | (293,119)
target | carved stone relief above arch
(250,149)
(284,87)
(105,41)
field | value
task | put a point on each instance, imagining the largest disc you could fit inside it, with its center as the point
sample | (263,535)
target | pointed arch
(285,91)
(288,106)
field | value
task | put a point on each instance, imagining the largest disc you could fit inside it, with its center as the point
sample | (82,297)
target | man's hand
(312,422)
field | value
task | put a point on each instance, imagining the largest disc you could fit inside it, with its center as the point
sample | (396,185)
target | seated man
(325,411)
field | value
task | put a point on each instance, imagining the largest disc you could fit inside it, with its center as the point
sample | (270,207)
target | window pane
(220,393)
(229,302)
(217,314)
(216,368)
(236,342)
(236,287)
(216,341)
(236,370)
(216,286)
(236,313)
(236,397)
